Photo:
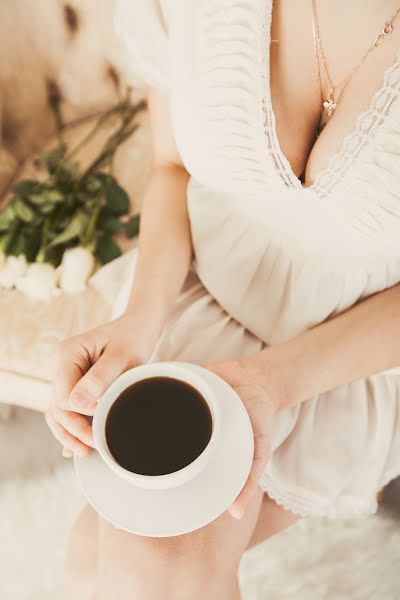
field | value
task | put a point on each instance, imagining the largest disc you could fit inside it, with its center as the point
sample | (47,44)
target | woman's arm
(361,341)
(165,248)
(89,362)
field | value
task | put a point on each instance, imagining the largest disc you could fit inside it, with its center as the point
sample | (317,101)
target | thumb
(98,378)
(260,459)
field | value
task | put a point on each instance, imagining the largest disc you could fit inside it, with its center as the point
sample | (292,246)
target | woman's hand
(86,366)
(260,392)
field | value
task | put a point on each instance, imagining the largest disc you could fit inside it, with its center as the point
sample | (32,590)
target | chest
(245,94)
(313,50)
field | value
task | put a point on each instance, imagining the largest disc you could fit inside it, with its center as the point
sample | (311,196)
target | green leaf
(116,197)
(32,244)
(23,211)
(8,240)
(132,226)
(46,196)
(25,187)
(54,255)
(106,249)
(3,241)
(91,203)
(74,229)
(6,218)
(38,199)
(16,245)
(65,179)
(113,226)
(52,158)
(105,215)
(54,196)
(25,242)
(46,208)
(93,186)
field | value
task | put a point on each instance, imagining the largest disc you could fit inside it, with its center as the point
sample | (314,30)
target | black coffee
(157,426)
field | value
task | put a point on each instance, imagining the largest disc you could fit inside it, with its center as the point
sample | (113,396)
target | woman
(289,201)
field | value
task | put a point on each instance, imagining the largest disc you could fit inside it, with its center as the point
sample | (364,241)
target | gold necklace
(330,103)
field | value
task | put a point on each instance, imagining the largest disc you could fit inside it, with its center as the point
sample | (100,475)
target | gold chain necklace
(330,103)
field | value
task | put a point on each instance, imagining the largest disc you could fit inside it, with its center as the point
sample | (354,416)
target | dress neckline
(367,121)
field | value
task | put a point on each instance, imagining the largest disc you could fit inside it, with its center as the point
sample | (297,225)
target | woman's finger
(67,453)
(73,360)
(76,424)
(65,438)
(260,459)
(98,378)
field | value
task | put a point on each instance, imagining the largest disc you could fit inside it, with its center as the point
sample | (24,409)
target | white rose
(2,259)
(76,267)
(14,267)
(39,281)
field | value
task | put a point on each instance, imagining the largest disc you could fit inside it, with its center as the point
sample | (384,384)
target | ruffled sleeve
(142,27)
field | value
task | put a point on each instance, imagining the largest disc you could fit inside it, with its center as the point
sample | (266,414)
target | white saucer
(174,511)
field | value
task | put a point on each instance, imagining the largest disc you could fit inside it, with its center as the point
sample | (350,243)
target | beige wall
(53,48)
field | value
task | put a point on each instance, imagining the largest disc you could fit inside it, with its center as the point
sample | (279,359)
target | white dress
(273,258)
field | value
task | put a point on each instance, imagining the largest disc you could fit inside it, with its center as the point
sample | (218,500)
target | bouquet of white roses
(55,230)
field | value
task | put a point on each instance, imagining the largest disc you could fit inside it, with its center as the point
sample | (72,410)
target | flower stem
(88,237)
(4,241)
(119,108)
(116,139)
(41,255)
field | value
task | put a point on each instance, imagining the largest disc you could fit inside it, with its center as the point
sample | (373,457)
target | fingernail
(82,452)
(79,400)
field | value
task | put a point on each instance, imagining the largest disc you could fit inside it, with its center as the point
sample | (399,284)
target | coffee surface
(157,426)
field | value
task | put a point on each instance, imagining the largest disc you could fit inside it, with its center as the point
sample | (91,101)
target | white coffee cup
(175,370)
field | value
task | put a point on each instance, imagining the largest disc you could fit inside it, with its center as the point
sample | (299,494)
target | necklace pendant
(329,105)
(328,108)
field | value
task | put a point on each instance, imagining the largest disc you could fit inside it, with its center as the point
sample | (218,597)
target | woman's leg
(82,556)
(197,565)
(272,519)
(201,564)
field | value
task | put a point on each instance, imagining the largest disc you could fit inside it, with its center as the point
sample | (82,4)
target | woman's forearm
(359,342)
(165,249)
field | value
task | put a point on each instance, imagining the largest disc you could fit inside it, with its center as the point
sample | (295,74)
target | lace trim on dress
(367,124)
(282,165)
(307,504)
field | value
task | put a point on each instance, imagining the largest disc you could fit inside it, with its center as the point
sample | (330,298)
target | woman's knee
(149,568)
(195,550)
(218,545)
(205,543)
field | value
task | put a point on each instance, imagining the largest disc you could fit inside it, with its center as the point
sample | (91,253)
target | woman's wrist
(146,313)
(337,351)
(272,374)
(282,374)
